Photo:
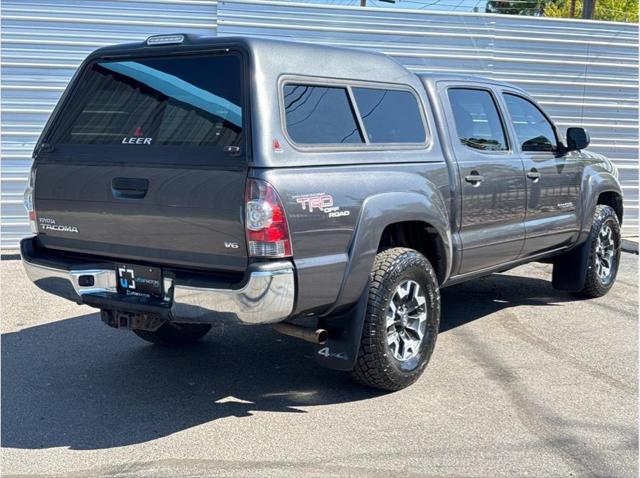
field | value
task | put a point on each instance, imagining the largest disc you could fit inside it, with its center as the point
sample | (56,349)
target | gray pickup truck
(330,192)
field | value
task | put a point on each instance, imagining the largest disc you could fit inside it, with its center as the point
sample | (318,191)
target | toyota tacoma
(328,192)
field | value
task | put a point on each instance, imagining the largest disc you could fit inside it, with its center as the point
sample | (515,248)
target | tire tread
(593,287)
(370,366)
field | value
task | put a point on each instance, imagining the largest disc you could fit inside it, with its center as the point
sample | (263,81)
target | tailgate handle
(129,188)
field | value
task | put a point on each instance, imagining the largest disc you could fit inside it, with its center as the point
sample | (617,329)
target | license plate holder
(138,280)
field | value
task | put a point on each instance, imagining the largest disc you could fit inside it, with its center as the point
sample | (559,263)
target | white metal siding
(43,42)
(584,73)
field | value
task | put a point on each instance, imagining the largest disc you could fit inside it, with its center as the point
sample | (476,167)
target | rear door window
(320,115)
(178,101)
(478,123)
(390,116)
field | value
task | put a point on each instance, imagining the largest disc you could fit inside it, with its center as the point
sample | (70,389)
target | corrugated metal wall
(584,73)
(43,42)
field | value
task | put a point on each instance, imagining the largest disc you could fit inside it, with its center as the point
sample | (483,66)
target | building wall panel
(583,73)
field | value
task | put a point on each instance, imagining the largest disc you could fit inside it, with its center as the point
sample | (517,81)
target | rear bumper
(267,296)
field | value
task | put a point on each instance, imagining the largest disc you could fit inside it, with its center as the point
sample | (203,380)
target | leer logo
(137,138)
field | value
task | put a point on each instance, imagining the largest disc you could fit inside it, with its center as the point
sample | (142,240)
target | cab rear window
(181,101)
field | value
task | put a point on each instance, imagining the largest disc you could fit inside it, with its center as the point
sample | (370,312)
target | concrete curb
(9,256)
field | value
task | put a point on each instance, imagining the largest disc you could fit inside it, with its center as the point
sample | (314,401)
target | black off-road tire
(375,365)
(175,335)
(593,285)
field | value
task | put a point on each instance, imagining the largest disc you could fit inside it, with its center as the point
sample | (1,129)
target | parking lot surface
(524,381)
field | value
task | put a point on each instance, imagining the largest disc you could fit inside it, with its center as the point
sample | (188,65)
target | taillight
(28,203)
(266,222)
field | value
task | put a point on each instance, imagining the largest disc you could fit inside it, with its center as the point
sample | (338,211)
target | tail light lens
(28,203)
(266,223)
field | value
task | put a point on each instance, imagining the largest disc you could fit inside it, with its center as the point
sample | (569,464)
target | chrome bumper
(267,296)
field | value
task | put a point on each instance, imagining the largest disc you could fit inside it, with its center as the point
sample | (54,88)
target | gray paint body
(507,220)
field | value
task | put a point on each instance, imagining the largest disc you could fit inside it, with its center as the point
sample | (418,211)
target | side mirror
(577,139)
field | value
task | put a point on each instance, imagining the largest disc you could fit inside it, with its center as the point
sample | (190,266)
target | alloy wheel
(406,320)
(605,254)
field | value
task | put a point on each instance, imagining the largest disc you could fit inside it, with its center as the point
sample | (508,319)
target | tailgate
(189,218)
(146,161)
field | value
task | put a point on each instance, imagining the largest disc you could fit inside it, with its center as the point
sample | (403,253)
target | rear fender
(376,214)
(345,320)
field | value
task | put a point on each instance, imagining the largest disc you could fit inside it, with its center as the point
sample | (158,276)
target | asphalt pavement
(524,381)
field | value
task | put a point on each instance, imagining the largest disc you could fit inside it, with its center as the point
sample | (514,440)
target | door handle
(533,175)
(474,178)
(129,188)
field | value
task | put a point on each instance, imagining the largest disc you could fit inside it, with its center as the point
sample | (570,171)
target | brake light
(28,203)
(266,222)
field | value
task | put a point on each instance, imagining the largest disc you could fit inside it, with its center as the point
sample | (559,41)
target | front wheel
(402,320)
(604,256)
(174,335)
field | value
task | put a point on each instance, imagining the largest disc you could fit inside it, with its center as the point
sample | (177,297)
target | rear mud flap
(570,269)
(345,332)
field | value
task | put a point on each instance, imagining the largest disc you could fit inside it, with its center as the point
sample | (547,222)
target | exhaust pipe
(315,336)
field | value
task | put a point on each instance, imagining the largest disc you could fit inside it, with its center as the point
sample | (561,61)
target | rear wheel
(174,335)
(402,320)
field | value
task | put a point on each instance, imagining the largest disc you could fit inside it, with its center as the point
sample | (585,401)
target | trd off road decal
(320,202)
